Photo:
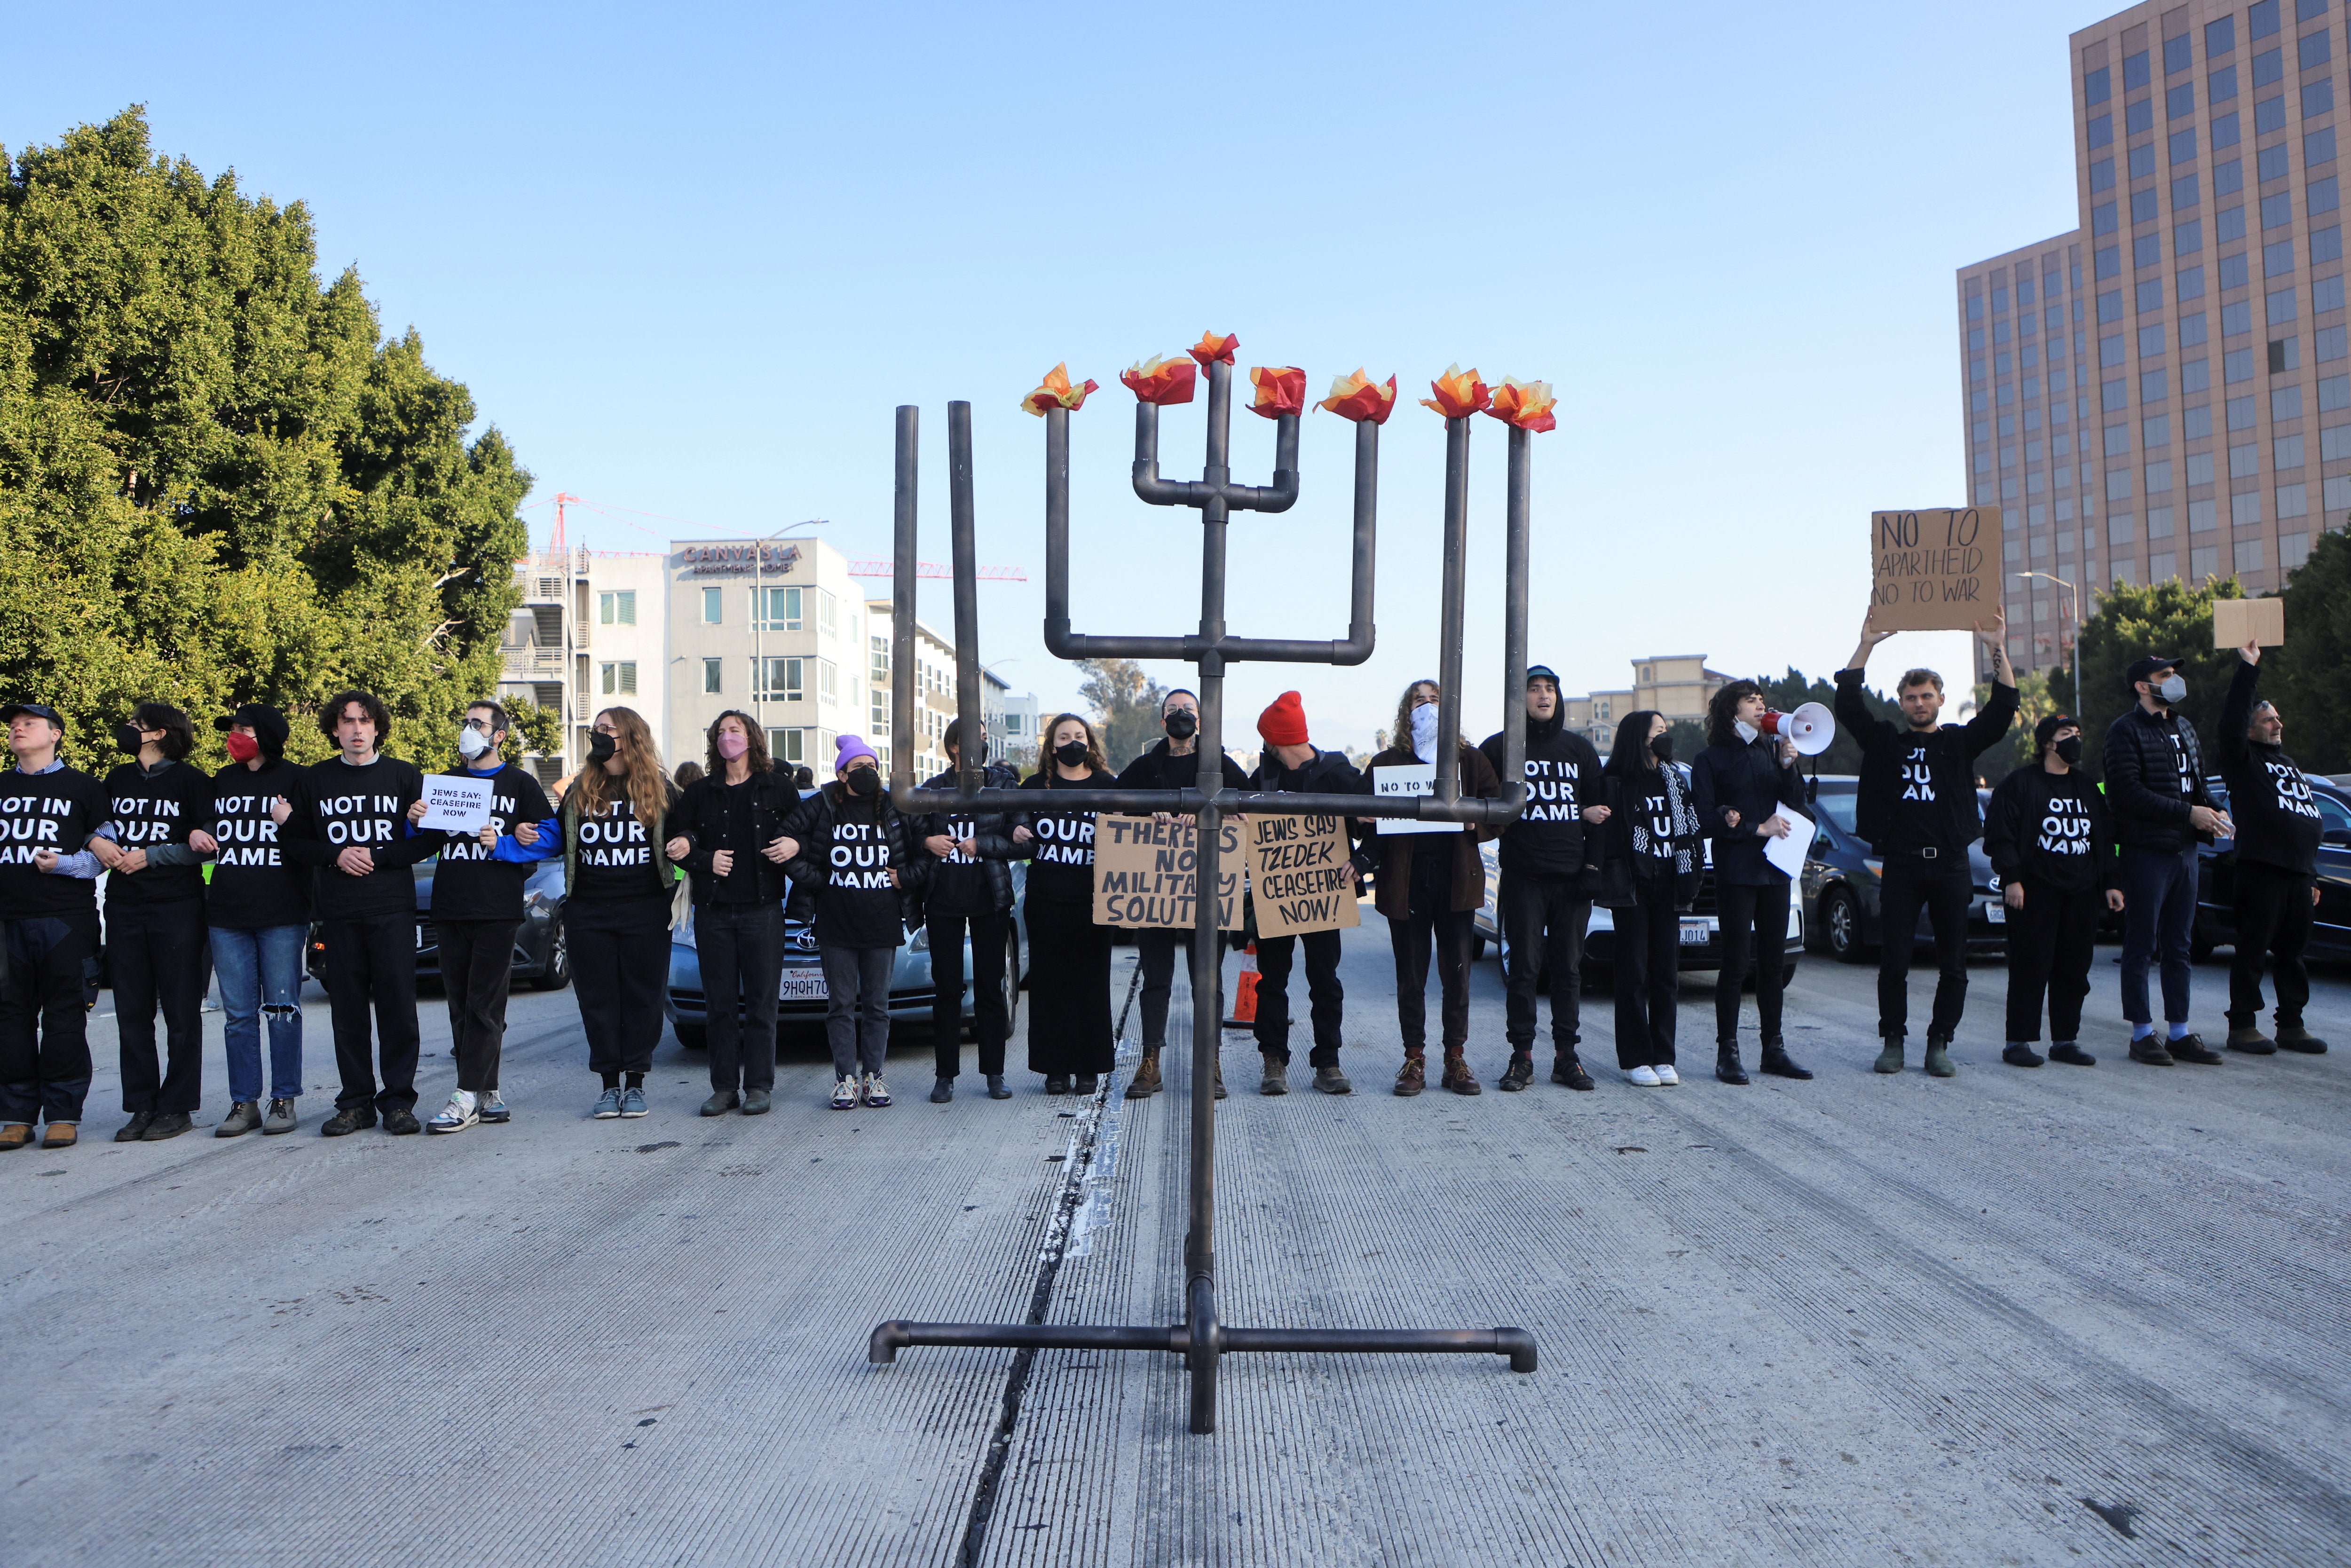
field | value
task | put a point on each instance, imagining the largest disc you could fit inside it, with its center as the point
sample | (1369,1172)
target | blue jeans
(261,974)
(2158,920)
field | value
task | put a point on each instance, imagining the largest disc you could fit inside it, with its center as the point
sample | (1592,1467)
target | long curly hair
(645,780)
(1722,711)
(752,731)
(1093,741)
(1401,735)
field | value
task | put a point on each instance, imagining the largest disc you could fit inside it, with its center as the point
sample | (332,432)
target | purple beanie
(847,749)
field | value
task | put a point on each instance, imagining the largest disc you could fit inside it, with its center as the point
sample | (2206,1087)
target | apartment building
(934,693)
(588,634)
(774,628)
(1678,685)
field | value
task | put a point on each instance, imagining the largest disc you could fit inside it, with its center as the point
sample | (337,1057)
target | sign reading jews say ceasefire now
(1933,569)
(1300,876)
(1144,872)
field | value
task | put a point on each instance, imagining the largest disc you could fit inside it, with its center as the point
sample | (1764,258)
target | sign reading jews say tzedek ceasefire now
(1933,569)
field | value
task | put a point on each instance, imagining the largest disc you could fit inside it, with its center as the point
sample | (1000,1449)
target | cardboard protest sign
(2235,620)
(1407,778)
(456,805)
(1301,875)
(1935,569)
(1144,872)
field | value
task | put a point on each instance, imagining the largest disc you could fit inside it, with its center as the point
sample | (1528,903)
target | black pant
(1942,886)
(476,974)
(2050,942)
(1069,1028)
(991,1022)
(48,978)
(1647,975)
(372,961)
(155,956)
(742,950)
(1544,920)
(1155,949)
(1325,997)
(619,966)
(2273,915)
(1754,920)
(1410,939)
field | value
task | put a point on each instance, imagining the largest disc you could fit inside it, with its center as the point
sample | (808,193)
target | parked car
(1701,927)
(540,956)
(1841,884)
(2216,878)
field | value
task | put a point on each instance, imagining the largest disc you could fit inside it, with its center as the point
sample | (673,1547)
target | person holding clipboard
(1746,789)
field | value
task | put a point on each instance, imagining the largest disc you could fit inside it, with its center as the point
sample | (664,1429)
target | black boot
(1779,1064)
(1726,1062)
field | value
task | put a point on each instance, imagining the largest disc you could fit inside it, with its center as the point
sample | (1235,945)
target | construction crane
(933,569)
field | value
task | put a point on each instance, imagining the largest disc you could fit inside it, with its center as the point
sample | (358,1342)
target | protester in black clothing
(687,772)
(2051,845)
(969,893)
(1430,887)
(1291,764)
(48,931)
(1069,956)
(1549,864)
(155,918)
(349,823)
(1649,851)
(257,919)
(2156,790)
(2278,834)
(477,898)
(1744,787)
(619,840)
(1173,763)
(1916,804)
(733,813)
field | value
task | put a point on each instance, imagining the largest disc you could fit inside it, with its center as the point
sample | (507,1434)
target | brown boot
(1146,1076)
(1458,1076)
(16,1135)
(2294,1037)
(1414,1077)
(61,1136)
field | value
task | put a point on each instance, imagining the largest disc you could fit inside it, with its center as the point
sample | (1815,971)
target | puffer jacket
(991,831)
(2143,755)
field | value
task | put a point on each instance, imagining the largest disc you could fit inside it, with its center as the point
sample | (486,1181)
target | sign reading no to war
(1933,571)
(1301,877)
(1145,875)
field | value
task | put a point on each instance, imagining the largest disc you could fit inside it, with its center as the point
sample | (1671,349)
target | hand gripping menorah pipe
(1202,1338)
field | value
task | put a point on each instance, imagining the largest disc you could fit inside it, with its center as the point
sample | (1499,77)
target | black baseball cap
(2141,669)
(39,710)
(1543,672)
(2050,725)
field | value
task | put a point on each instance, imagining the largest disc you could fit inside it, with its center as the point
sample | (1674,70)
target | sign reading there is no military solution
(1934,569)
(1144,872)
(1301,876)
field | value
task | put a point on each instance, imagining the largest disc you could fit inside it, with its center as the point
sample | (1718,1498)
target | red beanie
(1284,722)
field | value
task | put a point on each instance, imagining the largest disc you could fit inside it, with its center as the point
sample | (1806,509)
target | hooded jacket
(2052,829)
(992,833)
(2278,823)
(1392,894)
(2155,776)
(1563,774)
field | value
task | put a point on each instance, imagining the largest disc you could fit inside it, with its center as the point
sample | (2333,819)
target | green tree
(1126,704)
(217,483)
(2171,620)
(2306,676)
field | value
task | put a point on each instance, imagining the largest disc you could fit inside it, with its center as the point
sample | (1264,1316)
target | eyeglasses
(481,725)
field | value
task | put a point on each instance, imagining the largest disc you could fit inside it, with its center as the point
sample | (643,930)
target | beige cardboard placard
(2234,620)
(1143,872)
(1301,875)
(1934,569)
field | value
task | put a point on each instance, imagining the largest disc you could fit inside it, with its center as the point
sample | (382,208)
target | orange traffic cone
(1245,991)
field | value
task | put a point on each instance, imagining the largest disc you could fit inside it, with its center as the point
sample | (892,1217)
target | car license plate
(803,986)
(1996,910)
(1695,933)
(423,937)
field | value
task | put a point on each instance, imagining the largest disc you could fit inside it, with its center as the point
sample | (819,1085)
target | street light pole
(759,613)
(2074,608)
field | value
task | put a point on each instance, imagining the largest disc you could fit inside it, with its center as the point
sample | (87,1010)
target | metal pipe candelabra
(1203,1338)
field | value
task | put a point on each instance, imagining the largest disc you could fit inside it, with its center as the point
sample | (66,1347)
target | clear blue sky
(689,259)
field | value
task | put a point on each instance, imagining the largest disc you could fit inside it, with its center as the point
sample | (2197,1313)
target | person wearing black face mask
(2155,786)
(1650,849)
(2051,845)
(1172,764)
(970,891)
(1069,1036)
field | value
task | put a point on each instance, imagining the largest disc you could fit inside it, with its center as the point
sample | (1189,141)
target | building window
(2140,115)
(714,606)
(2325,195)
(2179,102)
(2158,477)
(2292,501)
(2204,562)
(2188,238)
(2339,492)
(2200,467)
(2318,98)
(2277,211)
(2244,462)
(620,679)
(2220,37)
(713,675)
(2326,244)
(2145,207)
(2159,566)
(2240,414)
(2333,444)
(2285,403)
(2237,365)
(787,746)
(619,608)
(2269,114)
(2292,550)
(2269,66)
(2333,392)
(2229,223)
(782,611)
(2244,509)
(2177,55)
(2248,555)
(2225,133)
(2190,284)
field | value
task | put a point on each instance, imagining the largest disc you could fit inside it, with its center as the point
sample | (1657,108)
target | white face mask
(1424,732)
(1747,732)
(2172,689)
(472,743)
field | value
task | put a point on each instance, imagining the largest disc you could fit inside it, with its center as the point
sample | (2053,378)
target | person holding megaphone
(1916,804)
(1746,788)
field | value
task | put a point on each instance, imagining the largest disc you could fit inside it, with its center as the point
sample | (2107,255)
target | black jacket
(2155,775)
(1563,775)
(1952,753)
(701,817)
(1748,779)
(2052,829)
(812,825)
(991,832)
(1158,768)
(2277,821)
(1619,853)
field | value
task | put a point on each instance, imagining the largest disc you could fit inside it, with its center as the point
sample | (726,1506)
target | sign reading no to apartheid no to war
(1145,874)
(1933,569)
(1301,877)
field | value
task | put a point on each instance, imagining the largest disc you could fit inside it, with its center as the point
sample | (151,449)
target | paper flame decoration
(1163,381)
(1459,393)
(1359,398)
(1526,405)
(1211,348)
(1281,389)
(1057,392)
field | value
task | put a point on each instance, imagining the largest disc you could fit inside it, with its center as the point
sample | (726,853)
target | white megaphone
(1811,729)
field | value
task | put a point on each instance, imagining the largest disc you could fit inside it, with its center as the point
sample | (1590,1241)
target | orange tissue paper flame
(1163,381)
(1459,393)
(1359,398)
(1281,389)
(1057,392)
(1526,404)
(1211,348)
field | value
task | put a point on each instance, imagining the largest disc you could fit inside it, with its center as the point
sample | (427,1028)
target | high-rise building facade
(2166,392)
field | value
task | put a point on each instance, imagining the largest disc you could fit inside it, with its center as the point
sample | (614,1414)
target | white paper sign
(1409,779)
(1788,853)
(456,805)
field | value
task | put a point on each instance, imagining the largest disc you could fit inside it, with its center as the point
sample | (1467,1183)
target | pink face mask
(732,746)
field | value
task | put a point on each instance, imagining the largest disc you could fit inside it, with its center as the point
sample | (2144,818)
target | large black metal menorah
(1202,1338)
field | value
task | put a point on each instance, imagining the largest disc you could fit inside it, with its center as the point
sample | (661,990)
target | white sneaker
(461,1113)
(876,1091)
(844,1093)
(1644,1077)
(1666,1073)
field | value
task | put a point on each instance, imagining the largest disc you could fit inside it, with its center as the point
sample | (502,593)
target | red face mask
(243,748)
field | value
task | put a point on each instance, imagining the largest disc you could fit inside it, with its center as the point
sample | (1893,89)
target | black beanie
(268,727)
